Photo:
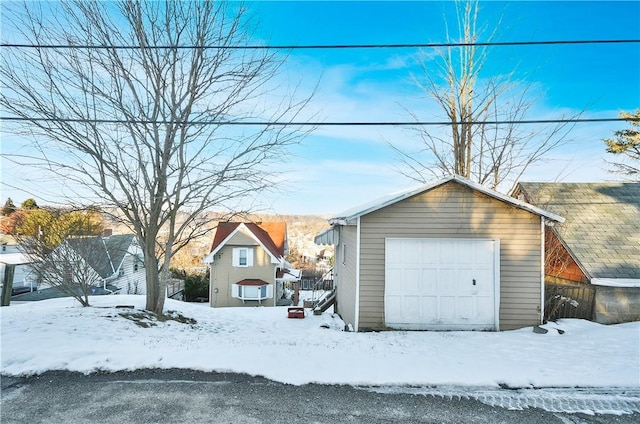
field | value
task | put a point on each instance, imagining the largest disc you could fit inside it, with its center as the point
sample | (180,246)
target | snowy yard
(58,334)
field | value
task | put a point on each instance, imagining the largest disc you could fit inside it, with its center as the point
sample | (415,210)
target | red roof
(271,234)
(252,282)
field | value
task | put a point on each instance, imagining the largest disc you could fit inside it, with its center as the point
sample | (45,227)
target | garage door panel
(485,310)
(411,280)
(466,307)
(445,248)
(464,281)
(447,310)
(484,254)
(484,282)
(464,253)
(429,283)
(429,310)
(429,253)
(446,278)
(411,254)
(393,253)
(410,308)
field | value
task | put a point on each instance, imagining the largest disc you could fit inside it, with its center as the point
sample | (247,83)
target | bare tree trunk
(495,155)
(138,121)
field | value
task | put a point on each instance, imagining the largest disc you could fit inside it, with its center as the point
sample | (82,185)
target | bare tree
(494,155)
(134,112)
(62,253)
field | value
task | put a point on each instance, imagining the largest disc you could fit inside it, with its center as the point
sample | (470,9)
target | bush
(196,286)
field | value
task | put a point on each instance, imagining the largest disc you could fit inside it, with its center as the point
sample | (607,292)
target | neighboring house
(24,279)
(598,247)
(116,260)
(8,244)
(451,255)
(247,265)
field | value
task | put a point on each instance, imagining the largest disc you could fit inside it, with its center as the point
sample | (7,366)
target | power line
(314,124)
(319,46)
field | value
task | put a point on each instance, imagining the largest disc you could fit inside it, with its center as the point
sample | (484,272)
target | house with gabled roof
(116,261)
(247,264)
(449,255)
(23,278)
(597,247)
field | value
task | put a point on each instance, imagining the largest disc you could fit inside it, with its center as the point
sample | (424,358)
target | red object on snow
(296,312)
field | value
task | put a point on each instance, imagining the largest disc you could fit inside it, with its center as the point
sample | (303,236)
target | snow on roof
(616,282)
(15,259)
(290,275)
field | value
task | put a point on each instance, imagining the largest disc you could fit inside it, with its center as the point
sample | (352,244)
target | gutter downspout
(543,261)
(357,314)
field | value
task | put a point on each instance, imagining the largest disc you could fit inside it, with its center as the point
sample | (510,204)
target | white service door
(441,284)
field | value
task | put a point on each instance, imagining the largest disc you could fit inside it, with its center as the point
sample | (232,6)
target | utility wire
(314,124)
(319,46)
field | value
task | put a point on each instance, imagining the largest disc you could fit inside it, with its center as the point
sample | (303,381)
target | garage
(442,284)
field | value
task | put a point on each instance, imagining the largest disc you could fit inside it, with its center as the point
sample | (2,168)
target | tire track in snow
(613,401)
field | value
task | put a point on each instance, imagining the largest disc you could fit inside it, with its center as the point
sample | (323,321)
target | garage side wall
(345,264)
(456,211)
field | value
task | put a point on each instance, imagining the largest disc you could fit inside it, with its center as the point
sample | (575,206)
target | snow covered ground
(58,334)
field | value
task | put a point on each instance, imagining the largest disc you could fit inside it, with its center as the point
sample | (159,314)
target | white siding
(131,281)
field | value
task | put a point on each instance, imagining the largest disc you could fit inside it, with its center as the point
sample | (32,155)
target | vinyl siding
(224,274)
(132,281)
(345,275)
(456,211)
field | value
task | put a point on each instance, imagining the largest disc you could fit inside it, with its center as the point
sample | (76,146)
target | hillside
(301,231)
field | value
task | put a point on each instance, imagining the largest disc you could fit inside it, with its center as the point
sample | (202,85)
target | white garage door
(442,284)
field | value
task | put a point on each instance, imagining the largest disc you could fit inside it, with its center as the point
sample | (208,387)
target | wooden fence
(568,301)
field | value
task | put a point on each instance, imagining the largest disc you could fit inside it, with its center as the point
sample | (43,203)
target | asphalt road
(179,396)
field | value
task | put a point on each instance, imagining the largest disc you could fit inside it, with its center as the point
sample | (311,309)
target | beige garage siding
(456,211)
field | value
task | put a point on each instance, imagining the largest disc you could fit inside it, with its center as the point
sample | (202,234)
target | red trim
(252,282)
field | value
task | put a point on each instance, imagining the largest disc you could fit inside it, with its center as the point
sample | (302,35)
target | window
(242,257)
(251,292)
(135,266)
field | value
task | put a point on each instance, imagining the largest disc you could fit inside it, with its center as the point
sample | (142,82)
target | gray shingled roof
(602,227)
(104,255)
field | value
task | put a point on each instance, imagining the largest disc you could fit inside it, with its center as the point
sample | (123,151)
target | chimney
(108,232)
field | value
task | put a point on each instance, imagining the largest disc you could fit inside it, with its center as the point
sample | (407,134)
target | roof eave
(209,258)
(351,218)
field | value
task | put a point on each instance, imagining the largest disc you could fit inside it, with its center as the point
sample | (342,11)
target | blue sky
(339,167)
